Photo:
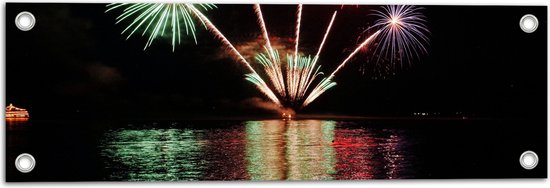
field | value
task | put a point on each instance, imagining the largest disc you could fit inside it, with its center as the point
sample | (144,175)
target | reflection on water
(257,150)
(371,154)
(157,154)
(294,150)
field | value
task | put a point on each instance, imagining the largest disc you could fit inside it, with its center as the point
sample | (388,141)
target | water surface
(269,150)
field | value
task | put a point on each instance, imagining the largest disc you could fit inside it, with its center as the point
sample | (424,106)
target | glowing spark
(152,19)
(394,21)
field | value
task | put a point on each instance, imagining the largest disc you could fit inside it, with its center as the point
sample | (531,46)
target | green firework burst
(152,19)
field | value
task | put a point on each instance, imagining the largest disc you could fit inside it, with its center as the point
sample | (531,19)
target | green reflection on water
(153,155)
(265,150)
(293,150)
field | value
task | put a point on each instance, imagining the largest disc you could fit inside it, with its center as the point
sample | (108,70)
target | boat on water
(15,112)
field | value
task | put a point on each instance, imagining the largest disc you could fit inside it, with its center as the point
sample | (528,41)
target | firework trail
(253,76)
(293,70)
(272,66)
(298,23)
(362,46)
(300,71)
(261,21)
(326,34)
(153,18)
(316,58)
(304,71)
(327,82)
(402,34)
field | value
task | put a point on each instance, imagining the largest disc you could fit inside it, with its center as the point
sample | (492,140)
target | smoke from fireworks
(153,18)
(253,76)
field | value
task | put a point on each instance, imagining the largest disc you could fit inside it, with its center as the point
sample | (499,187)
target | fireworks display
(300,71)
(400,36)
(271,63)
(152,19)
(253,76)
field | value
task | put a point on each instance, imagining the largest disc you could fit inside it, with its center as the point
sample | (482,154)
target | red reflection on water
(368,154)
(320,150)
(353,154)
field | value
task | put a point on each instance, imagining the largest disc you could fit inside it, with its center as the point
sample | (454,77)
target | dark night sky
(75,64)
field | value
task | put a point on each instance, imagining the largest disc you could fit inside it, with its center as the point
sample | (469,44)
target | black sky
(75,64)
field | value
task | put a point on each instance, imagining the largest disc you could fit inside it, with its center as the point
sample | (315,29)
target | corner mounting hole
(25,21)
(25,163)
(528,23)
(529,160)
